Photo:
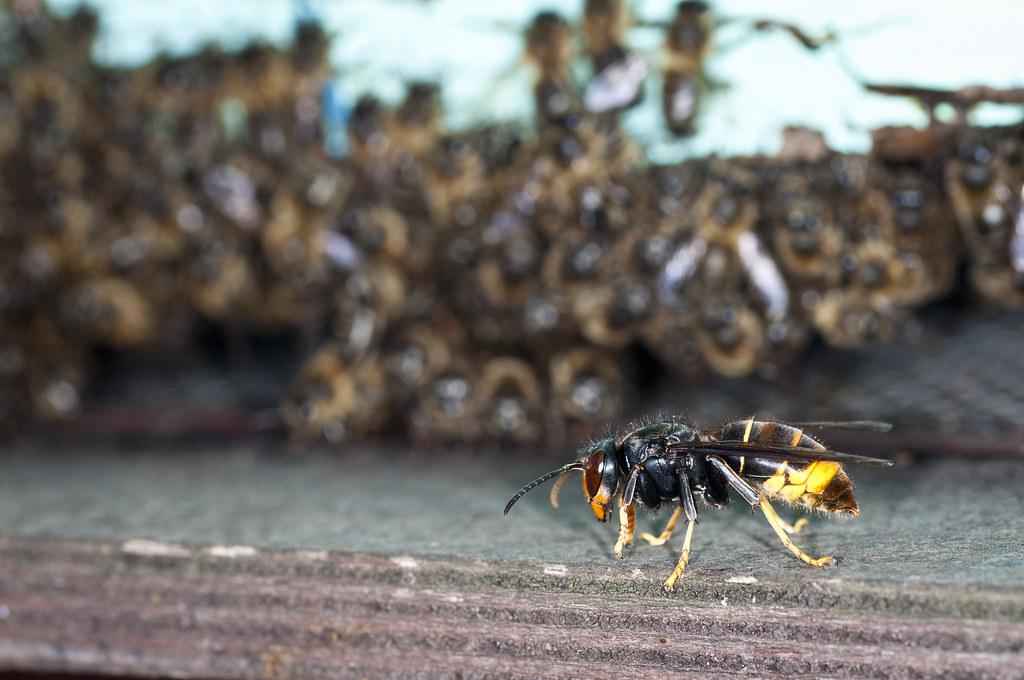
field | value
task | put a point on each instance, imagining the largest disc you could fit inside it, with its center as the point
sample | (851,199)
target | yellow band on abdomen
(791,484)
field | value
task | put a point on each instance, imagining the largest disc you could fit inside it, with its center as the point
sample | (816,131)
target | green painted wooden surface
(950,521)
(242,561)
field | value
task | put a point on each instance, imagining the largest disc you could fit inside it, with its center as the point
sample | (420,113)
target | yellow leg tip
(670,582)
(799,524)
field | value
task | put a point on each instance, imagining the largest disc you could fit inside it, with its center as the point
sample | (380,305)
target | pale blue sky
(471,45)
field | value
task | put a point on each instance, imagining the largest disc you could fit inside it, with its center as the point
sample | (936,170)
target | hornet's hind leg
(751,496)
(777,524)
(795,527)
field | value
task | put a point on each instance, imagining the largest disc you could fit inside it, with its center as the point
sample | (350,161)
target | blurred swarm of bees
(500,284)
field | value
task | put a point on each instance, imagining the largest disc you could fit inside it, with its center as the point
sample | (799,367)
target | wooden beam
(237,562)
(165,609)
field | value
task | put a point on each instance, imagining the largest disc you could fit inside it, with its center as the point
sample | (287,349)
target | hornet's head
(600,479)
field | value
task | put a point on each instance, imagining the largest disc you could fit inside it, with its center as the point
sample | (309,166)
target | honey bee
(508,274)
(575,261)
(618,74)
(378,232)
(806,238)
(336,400)
(549,48)
(512,401)
(985,184)
(616,313)
(390,149)
(309,53)
(732,337)
(417,352)
(918,221)
(221,282)
(368,141)
(850,319)
(370,302)
(454,183)
(676,462)
(587,385)
(547,322)
(448,407)
(417,122)
(688,40)
(108,311)
(260,77)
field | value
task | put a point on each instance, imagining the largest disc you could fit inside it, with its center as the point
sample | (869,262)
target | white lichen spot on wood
(231,551)
(141,546)
(406,562)
(741,579)
(555,570)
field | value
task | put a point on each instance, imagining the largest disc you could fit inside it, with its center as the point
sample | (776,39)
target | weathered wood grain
(241,562)
(155,608)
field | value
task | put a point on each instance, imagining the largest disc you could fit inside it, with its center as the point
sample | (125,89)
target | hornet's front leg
(627,526)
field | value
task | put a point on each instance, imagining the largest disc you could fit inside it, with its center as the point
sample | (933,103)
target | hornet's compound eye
(593,469)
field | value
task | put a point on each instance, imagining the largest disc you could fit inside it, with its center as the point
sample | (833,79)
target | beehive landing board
(206,562)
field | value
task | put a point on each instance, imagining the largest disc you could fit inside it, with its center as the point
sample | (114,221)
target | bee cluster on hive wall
(496,283)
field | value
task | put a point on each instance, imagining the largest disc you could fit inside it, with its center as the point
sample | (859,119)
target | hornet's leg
(627,525)
(793,528)
(776,522)
(751,495)
(690,510)
(666,534)
(684,557)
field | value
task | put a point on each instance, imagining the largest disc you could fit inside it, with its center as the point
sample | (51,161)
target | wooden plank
(156,608)
(241,562)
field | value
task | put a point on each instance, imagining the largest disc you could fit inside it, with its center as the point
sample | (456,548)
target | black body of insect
(675,462)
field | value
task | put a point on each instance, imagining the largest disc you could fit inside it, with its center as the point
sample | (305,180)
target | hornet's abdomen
(819,485)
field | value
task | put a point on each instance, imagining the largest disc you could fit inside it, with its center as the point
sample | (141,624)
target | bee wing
(772,451)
